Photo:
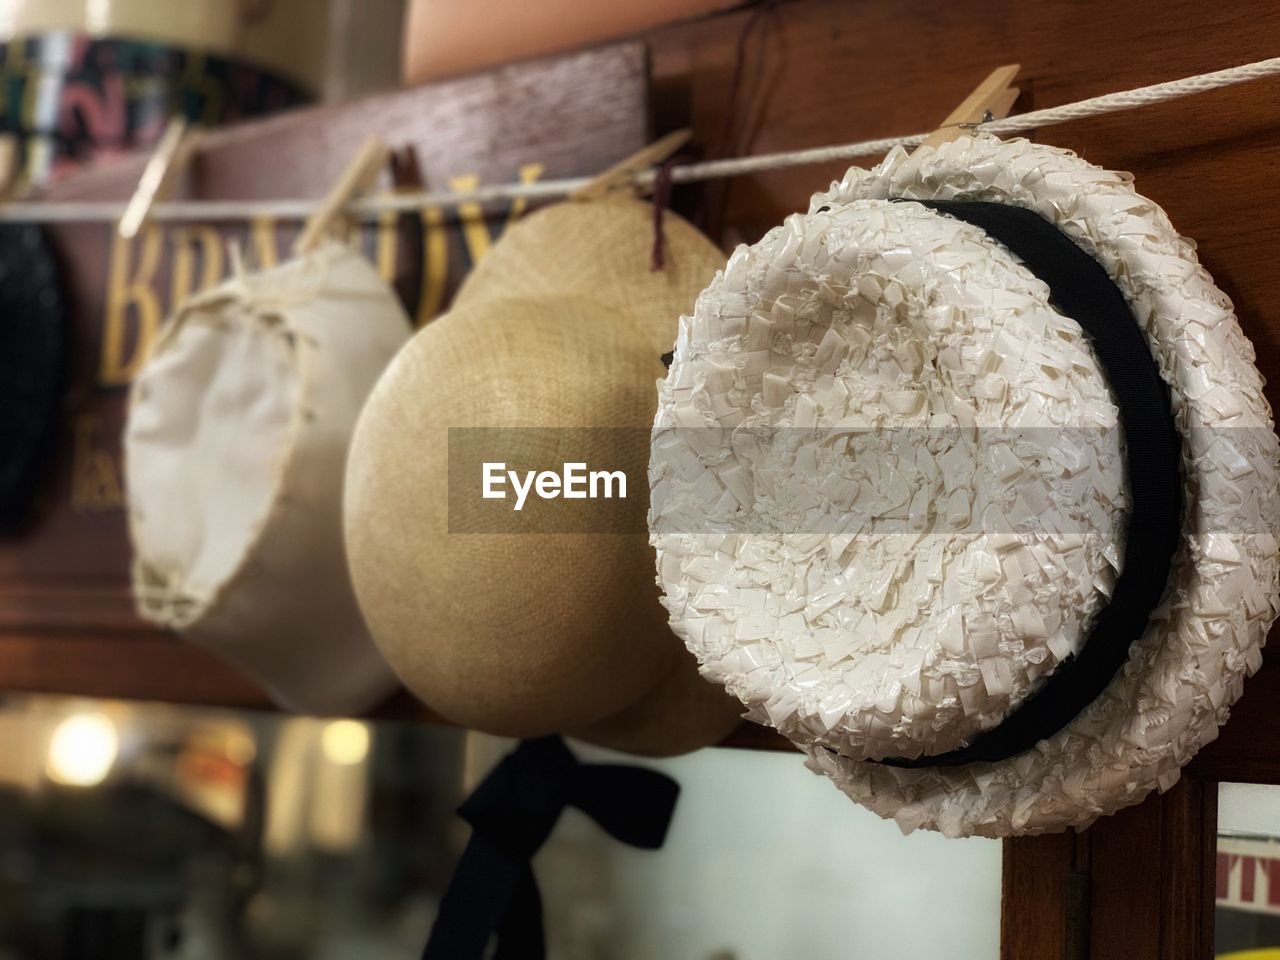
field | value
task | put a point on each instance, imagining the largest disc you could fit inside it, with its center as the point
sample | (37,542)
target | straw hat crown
(546,620)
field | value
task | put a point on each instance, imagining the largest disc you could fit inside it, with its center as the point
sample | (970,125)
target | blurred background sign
(1249,875)
(66,614)
(83,80)
(88,79)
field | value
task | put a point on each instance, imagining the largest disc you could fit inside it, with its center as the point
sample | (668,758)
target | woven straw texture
(523,631)
(858,646)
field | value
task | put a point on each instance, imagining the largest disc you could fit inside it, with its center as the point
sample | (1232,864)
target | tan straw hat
(545,619)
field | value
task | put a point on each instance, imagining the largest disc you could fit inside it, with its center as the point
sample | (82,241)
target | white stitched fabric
(235,446)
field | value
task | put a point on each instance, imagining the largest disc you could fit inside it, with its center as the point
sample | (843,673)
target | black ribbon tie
(512,812)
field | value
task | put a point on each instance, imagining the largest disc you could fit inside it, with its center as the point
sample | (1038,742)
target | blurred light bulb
(345,742)
(240,748)
(82,750)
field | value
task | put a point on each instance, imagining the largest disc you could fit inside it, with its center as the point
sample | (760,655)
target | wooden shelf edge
(158,668)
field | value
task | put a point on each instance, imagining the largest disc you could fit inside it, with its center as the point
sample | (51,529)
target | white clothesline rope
(370,208)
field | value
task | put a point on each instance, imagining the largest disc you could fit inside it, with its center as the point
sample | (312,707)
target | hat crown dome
(482,372)
(933,459)
(529,626)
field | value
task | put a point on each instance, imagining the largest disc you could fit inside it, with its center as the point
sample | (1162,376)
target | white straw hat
(235,448)
(995,575)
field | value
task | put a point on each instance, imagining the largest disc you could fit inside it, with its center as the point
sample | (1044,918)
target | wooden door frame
(1140,884)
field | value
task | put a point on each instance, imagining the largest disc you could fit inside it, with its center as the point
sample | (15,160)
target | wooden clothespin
(621,176)
(991,100)
(406,171)
(358,177)
(172,154)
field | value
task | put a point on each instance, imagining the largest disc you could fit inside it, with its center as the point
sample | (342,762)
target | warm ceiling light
(82,750)
(239,748)
(345,742)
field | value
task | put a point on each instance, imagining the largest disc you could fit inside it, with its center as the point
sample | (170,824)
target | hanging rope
(211,210)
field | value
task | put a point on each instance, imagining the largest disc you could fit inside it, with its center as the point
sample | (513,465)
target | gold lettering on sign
(387,237)
(528,174)
(435,264)
(95,473)
(132,306)
(262,232)
(471,214)
(134,309)
(186,240)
